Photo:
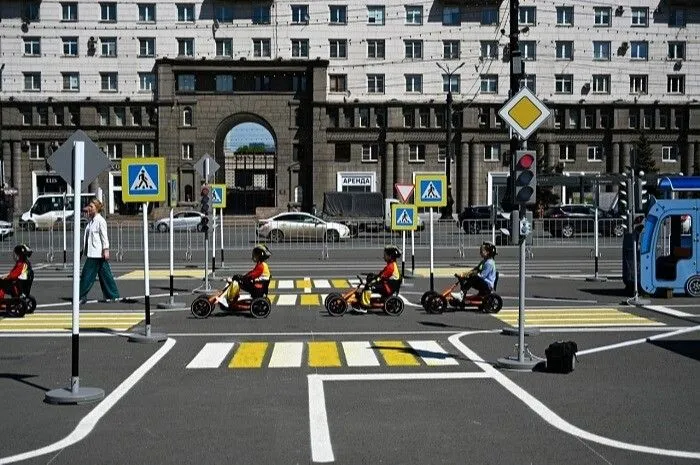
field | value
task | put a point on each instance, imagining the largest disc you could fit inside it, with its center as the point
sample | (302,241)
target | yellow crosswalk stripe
(340,283)
(577,317)
(64,321)
(396,353)
(303,283)
(309,299)
(323,354)
(273,284)
(249,355)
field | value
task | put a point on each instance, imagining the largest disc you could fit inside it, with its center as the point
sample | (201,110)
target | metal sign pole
(403,252)
(206,234)
(596,241)
(213,241)
(171,303)
(413,252)
(221,236)
(65,234)
(432,277)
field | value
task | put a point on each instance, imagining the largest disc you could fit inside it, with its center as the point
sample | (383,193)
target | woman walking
(96,249)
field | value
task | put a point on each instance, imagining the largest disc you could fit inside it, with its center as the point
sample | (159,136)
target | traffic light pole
(636,300)
(206,235)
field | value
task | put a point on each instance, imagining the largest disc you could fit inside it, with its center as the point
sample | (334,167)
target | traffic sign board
(200,167)
(218,195)
(143,180)
(404,217)
(524,113)
(404,191)
(431,189)
(95,159)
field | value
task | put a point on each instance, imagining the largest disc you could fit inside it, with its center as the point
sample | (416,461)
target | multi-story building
(349,91)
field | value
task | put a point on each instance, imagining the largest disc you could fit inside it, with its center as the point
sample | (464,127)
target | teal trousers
(101,268)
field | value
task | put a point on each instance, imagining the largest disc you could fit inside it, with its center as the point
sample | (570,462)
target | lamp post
(447,210)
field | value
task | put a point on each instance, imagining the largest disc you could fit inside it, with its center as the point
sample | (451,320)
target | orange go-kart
(259,304)
(337,304)
(434,302)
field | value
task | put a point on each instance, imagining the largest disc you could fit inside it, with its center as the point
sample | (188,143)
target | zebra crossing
(63,321)
(323,354)
(576,317)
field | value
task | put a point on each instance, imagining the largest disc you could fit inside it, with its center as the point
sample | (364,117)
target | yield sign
(404,191)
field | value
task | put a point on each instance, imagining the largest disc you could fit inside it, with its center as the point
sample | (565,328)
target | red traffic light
(526,161)
(205,190)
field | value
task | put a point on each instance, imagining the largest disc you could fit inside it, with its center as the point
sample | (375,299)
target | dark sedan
(478,218)
(567,220)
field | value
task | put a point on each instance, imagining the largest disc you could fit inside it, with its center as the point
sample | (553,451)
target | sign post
(172,190)
(403,218)
(143,181)
(218,200)
(206,167)
(404,192)
(431,193)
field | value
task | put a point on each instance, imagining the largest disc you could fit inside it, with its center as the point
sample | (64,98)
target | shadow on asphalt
(437,324)
(607,292)
(23,379)
(687,348)
(421,353)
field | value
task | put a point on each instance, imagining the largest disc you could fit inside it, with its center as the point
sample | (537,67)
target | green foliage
(644,159)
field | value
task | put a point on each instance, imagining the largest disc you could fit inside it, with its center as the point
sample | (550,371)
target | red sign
(404,191)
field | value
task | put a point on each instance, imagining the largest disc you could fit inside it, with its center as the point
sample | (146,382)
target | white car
(295,226)
(181,222)
(6,230)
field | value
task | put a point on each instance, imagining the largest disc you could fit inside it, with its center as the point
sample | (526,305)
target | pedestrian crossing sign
(143,180)
(404,217)
(218,195)
(431,190)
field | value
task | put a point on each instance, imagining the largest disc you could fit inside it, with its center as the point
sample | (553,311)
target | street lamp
(447,211)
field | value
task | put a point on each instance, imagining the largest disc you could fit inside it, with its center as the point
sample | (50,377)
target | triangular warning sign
(404,191)
(143,181)
(215,195)
(431,192)
(405,218)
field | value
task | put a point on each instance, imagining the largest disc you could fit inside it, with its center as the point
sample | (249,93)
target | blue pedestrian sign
(144,180)
(218,195)
(404,217)
(431,190)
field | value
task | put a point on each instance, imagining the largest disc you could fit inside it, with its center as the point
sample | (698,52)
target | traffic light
(205,208)
(623,200)
(525,182)
(642,193)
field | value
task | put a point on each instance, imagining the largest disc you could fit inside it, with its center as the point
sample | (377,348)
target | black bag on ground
(561,356)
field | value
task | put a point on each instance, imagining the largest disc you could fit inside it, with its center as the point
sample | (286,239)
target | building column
(462,184)
(16,178)
(696,166)
(615,159)
(6,161)
(399,163)
(551,154)
(388,170)
(689,159)
(625,159)
(473,178)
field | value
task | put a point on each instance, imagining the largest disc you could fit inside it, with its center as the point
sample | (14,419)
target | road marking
(285,284)
(323,354)
(322,283)
(309,299)
(286,299)
(249,355)
(432,353)
(286,355)
(211,355)
(94,301)
(64,321)
(162,274)
(359,354)
(638,341)
(396,353)
(666,310)
(340,283)
(304,284)
(575,317)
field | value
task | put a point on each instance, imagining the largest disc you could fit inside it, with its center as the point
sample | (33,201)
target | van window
(43,205)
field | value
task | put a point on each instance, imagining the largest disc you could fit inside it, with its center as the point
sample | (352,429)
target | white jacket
(95,240)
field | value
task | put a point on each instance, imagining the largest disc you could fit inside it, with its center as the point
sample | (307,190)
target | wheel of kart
(393,306)
(425,296)
(336,305)
(692,286)
(260,307)
(436,304)
(492,303)
(17,309)
(329,297)
(201,308)
(31,304)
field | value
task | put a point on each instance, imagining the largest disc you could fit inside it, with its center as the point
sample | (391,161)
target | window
(300,14)
(36,151)
(69,11)
(451,49)
(424,118)
(451,83)
(564,83)
(338,48)
(375,83)
(492,152)
(147,82)
(676,18)
(662,122)
(489,16)
(108,82)
(58,117)
(339,14)
(31,11)
(639,83)
(489,83)
(108,46)
(528,50)
(185,82)
(185,12)
(375,15)
(142,150)
(595,153)
(338,82)
(414,15)
(451,16)
(71,81)
(526,16)
(136,116)
(70,46)
(567,152)
(565,50)
(74,115)
(602,16)
(489,49)
(103,113)
(298,83)
(676,50)
(119,116)
(414,83)
(565,16)
(364,117)
(224,82)
(640,16)
(43,115)
(647,119)
(640,50)
(147,47)
(379,117)
(224,48)
(261,14)
(601,83)
(601,50)
(32,46)
(414,49)
(529,81)
(633,119)
(409,117)
(223,13)
(113,151)
(375,48)
(416,153)
(669,153)
(185,47)
(187,116)
(32,81)
(675,85)
(300,48)
(261,47)
(678,120)
(442,153)
(187,151)
(26,115)
(108,11)
(147,12)
(588,119)
(370,152)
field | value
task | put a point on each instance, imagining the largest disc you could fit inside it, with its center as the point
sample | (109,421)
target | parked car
(181,221)
(300,226)
(477,218)
(567,220)
(6,230)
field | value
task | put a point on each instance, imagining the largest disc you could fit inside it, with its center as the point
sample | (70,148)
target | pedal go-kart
(258,305)
(18,300)
(434,302)
(337,304)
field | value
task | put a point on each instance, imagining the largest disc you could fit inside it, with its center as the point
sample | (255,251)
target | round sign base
(171,305)
(152,338)
(510,331)
(512,363)
(82,395)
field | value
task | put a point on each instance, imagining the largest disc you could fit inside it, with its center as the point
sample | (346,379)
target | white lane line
(286,299)
(93,301)
(551,417)
(322,284)
(689,329)
(286,355)
(211,355)
(87,424)
(360,354)
(285,284)
(666,310)
(432,353)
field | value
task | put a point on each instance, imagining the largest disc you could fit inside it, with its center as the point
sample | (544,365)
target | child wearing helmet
(483,276)
(20,272)
(253,281)
(387,281)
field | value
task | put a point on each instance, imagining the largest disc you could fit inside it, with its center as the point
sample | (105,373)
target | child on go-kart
(20,272)
(483,276)
(253,281)
(385,282)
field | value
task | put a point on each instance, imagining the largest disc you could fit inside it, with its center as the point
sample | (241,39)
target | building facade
(350,92)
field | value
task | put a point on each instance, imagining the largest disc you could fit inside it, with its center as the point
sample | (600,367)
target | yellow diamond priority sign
(524,113)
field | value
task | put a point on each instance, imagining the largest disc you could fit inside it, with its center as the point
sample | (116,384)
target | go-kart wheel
(492,303)
(201,308)
(393,306)
(328,298)
(425,297)
(336,305)
(31,304)
(436,304)
(17,309)
(260,307)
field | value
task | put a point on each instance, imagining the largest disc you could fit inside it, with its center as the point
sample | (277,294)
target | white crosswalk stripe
(285,284)
(286,355)
(359,354)
(286,299)
(322,284)
(211,355)
(438,357)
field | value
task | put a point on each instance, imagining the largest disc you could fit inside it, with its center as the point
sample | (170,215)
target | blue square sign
(144,180)
(431,190)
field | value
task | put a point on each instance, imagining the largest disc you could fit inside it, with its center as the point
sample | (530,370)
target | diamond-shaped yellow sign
(525,112)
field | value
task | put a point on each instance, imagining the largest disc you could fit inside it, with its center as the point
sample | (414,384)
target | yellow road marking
(272,298)
(576,317)
(323,354)
(64,321)
(303,283)
(397,353)
(340,283)
(249,355)
(273,284)
(309,299)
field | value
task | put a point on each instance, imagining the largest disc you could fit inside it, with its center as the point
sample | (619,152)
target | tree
(644,156)
(545,196)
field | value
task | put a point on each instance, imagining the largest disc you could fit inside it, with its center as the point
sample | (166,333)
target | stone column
(462,184)
(473,174)
(615,159)
(388,171)
(6,163)
(17,176)
(689,159)
(551,154)
(625,159)
(400,162)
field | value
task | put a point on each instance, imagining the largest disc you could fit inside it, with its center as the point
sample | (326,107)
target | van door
(43,212)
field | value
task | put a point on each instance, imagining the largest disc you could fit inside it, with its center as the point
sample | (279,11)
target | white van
(48,209)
